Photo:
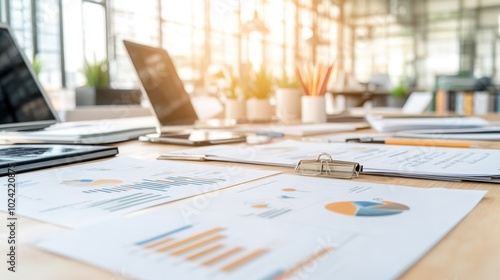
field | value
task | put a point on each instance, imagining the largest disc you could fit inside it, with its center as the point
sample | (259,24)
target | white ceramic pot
(288,104)
(236,109)
(259,110)
(313,109)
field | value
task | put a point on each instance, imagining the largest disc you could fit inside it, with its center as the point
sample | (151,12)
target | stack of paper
(454,164)
(391,123)
(302,129)
(490,133)
(283,227)
(343,137)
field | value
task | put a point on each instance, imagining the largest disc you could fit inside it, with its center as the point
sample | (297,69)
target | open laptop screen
(23,105)
(162,85)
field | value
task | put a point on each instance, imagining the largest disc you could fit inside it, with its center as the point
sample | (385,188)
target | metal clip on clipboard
(325,166)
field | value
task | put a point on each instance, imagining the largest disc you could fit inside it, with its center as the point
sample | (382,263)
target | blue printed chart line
(159,185)
(125,202)
(273,213)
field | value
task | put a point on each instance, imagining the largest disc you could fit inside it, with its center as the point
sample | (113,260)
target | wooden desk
(470,251)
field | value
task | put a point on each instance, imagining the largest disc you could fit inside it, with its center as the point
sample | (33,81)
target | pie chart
(367,208)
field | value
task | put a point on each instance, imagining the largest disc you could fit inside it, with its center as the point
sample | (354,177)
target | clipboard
(323,166)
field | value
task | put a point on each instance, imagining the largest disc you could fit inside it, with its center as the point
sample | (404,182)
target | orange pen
(412,142)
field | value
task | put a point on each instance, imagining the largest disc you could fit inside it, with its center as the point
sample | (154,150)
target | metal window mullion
(283,44)
(7,11)
(34,27)
(107,22)
(62,59)
(240,42)
(160,24)
(208,48)
(297,31)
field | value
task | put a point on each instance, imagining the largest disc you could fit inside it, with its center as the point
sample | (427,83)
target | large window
(200,35)
(37,27)
(47,45)
(134,21)
(422,39)
(183,36)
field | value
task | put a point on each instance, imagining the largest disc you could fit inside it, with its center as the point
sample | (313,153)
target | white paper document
(343,137)
(488,133)
(83,194)
(393,124)
(301,129)
(453,164)
(282,227)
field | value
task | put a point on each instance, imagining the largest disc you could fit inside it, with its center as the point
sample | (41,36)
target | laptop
(170,103)
(416,104)
(26,114)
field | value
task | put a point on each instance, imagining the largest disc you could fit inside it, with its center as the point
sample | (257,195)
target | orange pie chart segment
(260,206)
(345,207)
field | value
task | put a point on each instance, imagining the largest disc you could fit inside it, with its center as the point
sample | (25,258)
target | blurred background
(379,42)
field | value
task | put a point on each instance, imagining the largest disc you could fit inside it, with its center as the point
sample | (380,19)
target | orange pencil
(427,142)
(325,79)
(411,142)
(301,79)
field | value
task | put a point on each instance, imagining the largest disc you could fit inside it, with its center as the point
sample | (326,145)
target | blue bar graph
(159,185)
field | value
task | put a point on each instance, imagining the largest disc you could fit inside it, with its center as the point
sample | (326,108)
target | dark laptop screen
(162,85)
(22,104)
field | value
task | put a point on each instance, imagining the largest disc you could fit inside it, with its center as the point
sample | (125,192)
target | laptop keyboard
(20,152)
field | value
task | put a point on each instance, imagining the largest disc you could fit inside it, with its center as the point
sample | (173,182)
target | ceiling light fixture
(255,25)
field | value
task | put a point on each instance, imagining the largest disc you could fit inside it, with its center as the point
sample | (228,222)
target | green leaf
(37,64)
(258,84)
(232,84)
(96,74)
(286,81)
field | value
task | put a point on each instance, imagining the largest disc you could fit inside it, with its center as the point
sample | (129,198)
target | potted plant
(97,89)
(288,96)
(258,89)
(37,64)
(235,106)
(398,95)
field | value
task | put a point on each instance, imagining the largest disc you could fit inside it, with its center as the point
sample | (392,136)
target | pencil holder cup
(259,110)
(236,109)
(288,104)
(313,109)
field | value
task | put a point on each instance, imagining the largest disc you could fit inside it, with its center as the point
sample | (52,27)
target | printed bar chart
(274,213)
(161,185)
(222,256)
(204,252)
(203,247)
(188,240)
(197,245)
(243,260)
(125,202)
